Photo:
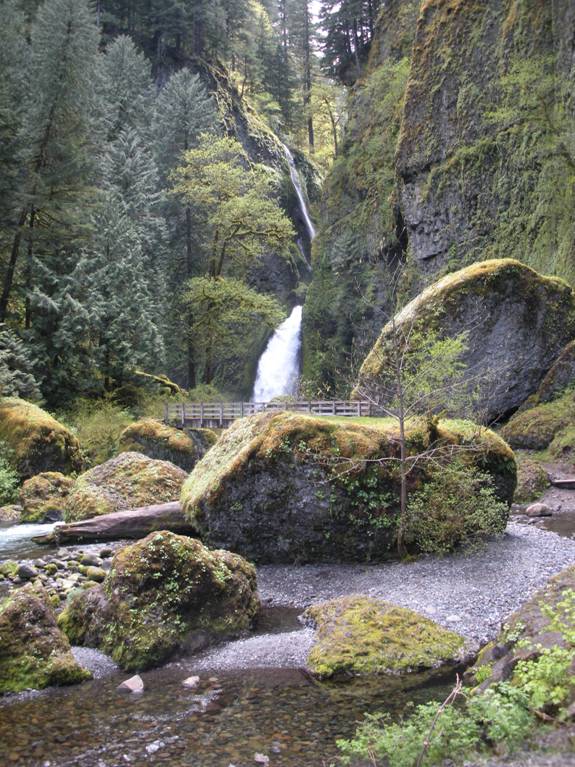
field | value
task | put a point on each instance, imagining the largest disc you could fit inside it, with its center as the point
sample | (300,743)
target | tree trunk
(10,271)
(29,270)
(307,79)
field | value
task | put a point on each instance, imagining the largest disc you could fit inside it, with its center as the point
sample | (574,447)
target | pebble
(261,759)
(133,684)
(191,682)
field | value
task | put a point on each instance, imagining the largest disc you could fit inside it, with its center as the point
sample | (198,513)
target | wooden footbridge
(221,414)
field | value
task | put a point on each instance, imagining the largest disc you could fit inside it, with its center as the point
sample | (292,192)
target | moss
(563,445)
(33,652)
(128,481)
(537,427)
(158,592)
(42,497)
(358,635)
(157,440)
(37,440)
(532,479)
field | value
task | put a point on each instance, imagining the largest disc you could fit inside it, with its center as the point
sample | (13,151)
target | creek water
(16,541)
(279,366)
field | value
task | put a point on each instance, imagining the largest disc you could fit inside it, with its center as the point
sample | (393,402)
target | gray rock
(133,684)
(91,559)
(191,682)
(538,510)
(27,572)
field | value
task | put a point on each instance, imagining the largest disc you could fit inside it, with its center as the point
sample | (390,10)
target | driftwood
(134,523)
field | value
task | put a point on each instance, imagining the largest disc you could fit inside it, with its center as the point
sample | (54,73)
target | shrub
(98,425)
(458,506)
(9,479)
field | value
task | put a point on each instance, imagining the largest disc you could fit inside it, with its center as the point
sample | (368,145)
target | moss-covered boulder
(34,653)
(560,377)
(536,428)
(357,635)
(128,481)
(38,442)
(532,479)
(516,323)
(543,625)
(10,514)
(158,440)
(285,487)
(42,497)
(161,594)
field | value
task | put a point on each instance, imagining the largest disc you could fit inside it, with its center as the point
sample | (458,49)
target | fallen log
(134,523)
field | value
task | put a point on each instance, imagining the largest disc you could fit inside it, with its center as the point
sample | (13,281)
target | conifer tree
(17,376)
(57,133)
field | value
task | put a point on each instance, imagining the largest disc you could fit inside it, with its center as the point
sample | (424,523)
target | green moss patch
(43,496)
(158,440)
(532,479)
(537,427)
(357,635)
(37,440)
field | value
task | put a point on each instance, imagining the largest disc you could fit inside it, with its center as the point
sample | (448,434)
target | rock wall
(459,148)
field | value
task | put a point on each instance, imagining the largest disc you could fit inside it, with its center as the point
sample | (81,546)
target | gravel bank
(472,594)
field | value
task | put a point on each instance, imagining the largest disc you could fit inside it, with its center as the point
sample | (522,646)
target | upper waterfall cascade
(279,365)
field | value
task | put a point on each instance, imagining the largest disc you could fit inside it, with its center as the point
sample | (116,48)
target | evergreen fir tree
(17,377)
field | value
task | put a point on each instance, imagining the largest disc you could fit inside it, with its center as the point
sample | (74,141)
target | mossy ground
(358,635)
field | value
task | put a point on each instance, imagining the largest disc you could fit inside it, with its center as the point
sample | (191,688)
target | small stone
(106,553)
(538,510)
(261,759)
(151,748)
(95,574)
(27,572)
(133,684)
(191,681)
(276,747)
(89,559)
(453,619)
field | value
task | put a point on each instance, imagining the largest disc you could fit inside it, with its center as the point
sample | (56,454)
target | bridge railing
(223,413)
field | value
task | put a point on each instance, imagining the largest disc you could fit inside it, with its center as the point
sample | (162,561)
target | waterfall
(278,367)
(294,175)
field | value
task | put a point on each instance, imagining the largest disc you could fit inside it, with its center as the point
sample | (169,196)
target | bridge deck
(222,414)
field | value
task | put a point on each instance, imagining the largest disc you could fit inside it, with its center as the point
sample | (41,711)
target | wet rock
(91,559)
(284,487)
(27,572)
(127,481)
(34,653)
(133,684)
(95,574)
(159,593)
(358,635)
(538,510)
(106,553)
(160,441)
(11,513)
(503,307)
(39,442)
(191,682)
(42,497)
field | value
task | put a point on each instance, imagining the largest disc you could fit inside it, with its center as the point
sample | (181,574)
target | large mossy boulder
(547,425)
(34,653)
(128,481)
(358,635)
(516,322)
(158,440)
(37,441)
(532,479)
(285,487)
(43,497)
(161,594)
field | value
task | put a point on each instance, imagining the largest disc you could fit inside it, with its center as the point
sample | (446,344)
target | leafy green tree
(235,201)
(225,312)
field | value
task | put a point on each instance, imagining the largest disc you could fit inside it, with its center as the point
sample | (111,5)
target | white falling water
(294,175)
(278,367)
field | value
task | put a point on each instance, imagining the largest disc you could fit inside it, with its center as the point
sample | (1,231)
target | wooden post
(183,406)
(166,413)
(242,409)
(221,413)
(201,415)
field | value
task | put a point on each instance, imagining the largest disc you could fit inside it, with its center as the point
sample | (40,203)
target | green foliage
(98,425)
(17,376)
(457,507)
(9,478)
(224,314)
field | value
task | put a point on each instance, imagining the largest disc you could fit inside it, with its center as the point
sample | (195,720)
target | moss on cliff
(37,440)
(358,635)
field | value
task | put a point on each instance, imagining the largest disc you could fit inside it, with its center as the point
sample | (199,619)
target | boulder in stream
(34,653)
(42,497)
(359,636)
(128,481)
(284,488)
(161,594)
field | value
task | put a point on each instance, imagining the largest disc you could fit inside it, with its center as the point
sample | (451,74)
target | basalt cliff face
(459,147)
